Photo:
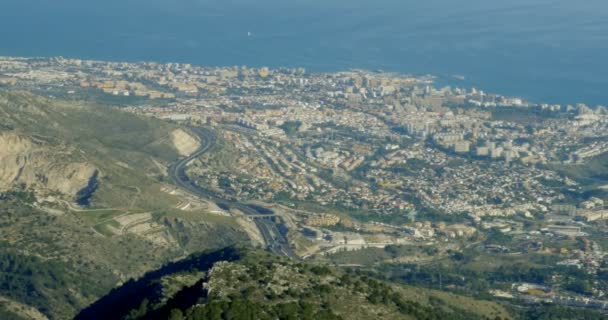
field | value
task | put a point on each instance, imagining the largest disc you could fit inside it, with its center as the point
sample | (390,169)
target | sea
(545,51)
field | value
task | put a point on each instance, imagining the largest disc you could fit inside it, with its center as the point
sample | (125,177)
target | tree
(139,312)
(176,314)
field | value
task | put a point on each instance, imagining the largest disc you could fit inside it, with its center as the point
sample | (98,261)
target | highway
(273,231)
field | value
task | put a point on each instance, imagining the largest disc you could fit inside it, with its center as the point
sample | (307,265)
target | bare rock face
(25,162)
(185,143)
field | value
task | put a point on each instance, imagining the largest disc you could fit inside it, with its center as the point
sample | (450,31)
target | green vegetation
(126,149)
(237,283)
(97,216)
(372,256)
(591,174)
(47,285)
(7,314)
(59,258)
(291,127)
(547,312)
(59,265)
(524,116)
(245,309)
(475,270)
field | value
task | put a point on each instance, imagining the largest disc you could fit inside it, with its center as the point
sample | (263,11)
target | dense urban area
(430,185)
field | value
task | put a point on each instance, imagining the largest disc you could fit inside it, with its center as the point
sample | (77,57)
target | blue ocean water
(544,50)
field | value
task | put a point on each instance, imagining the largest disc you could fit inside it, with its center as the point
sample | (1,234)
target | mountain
(241,283)
(30,163)
(57,146)
(84,203)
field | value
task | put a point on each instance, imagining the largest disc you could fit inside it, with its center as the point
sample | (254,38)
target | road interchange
(272,230)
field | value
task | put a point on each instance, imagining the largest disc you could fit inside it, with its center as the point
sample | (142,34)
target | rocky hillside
(185,143)
(84,203)
(29,163)
(238,283)
(86,152)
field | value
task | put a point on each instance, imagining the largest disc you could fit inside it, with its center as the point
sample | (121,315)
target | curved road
(270,228)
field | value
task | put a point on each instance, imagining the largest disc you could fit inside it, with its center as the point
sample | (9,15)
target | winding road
(270,227)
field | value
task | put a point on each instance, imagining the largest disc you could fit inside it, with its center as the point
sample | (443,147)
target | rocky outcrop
(21,310)
(26,162)
(184,143)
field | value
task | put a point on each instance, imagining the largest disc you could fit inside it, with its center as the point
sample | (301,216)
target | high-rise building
(483,151)
(462,146)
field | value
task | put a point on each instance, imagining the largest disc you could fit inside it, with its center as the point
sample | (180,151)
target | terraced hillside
(83,192)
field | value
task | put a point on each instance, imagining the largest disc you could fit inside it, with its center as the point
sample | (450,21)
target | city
(362,160)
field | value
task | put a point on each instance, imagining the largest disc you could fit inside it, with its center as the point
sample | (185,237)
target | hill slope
(34,164)
(83,206)
(238,283)
(44,136)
